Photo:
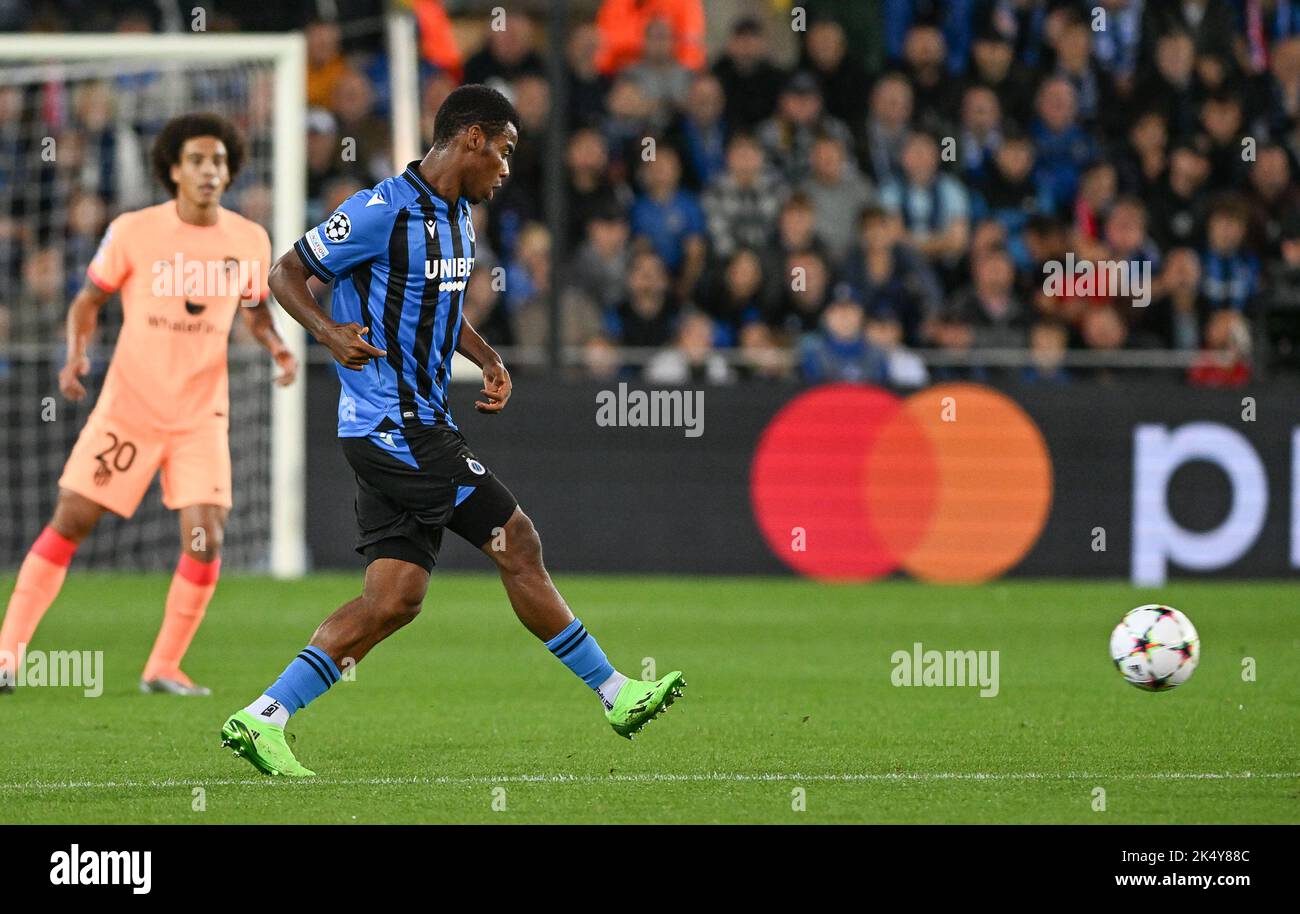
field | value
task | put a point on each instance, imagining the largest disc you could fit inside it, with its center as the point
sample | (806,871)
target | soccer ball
(1155,647)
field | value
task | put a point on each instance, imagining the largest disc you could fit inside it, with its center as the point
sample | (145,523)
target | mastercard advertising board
(955,483)
(963,483)
(949,484)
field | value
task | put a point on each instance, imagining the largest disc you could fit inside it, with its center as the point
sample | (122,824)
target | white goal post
(285,55)
(401,41)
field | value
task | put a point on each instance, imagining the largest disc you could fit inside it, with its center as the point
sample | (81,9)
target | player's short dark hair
(472,104)
(166,150)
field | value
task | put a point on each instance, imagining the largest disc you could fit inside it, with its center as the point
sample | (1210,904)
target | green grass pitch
(463,713)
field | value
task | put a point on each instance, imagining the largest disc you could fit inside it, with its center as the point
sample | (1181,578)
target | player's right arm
(83,318)
(352,234)
(109,268)
(288,280)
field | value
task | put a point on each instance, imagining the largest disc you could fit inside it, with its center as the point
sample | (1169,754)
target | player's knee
(397,597)
(203,532)
(74,518)
(409,607)
(398,607)
(72,528)
(203,543)
(523,547)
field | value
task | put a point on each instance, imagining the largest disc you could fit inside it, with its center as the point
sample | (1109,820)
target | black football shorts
(414,482)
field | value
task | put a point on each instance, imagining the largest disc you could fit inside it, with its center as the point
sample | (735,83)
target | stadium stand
(875,197)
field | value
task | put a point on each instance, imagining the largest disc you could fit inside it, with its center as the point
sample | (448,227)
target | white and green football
(1155,647)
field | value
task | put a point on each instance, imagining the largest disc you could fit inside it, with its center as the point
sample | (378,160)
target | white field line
(704,778)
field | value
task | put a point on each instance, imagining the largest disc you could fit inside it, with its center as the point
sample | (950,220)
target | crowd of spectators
(879,202)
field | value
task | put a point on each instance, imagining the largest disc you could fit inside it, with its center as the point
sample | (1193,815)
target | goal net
(77,117)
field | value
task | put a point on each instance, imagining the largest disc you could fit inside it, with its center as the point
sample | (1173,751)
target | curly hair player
(183,268)
(399,256)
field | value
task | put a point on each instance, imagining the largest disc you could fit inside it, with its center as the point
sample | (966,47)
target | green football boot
(638,703)
(263,745)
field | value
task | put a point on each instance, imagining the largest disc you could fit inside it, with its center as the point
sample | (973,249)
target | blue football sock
(577,649)
(304,680)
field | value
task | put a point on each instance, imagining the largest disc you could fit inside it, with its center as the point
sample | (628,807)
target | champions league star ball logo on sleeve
(338,227)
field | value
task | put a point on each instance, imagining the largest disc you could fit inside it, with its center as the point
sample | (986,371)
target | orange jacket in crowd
(437,41)
(322,80)
(622,25)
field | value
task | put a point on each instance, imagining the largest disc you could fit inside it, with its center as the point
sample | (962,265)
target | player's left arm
(496,380)
(260,324)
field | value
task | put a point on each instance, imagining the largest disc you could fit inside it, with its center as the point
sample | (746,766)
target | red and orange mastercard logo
(952,483)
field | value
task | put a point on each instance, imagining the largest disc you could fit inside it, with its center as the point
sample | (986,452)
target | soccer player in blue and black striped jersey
(399,256)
